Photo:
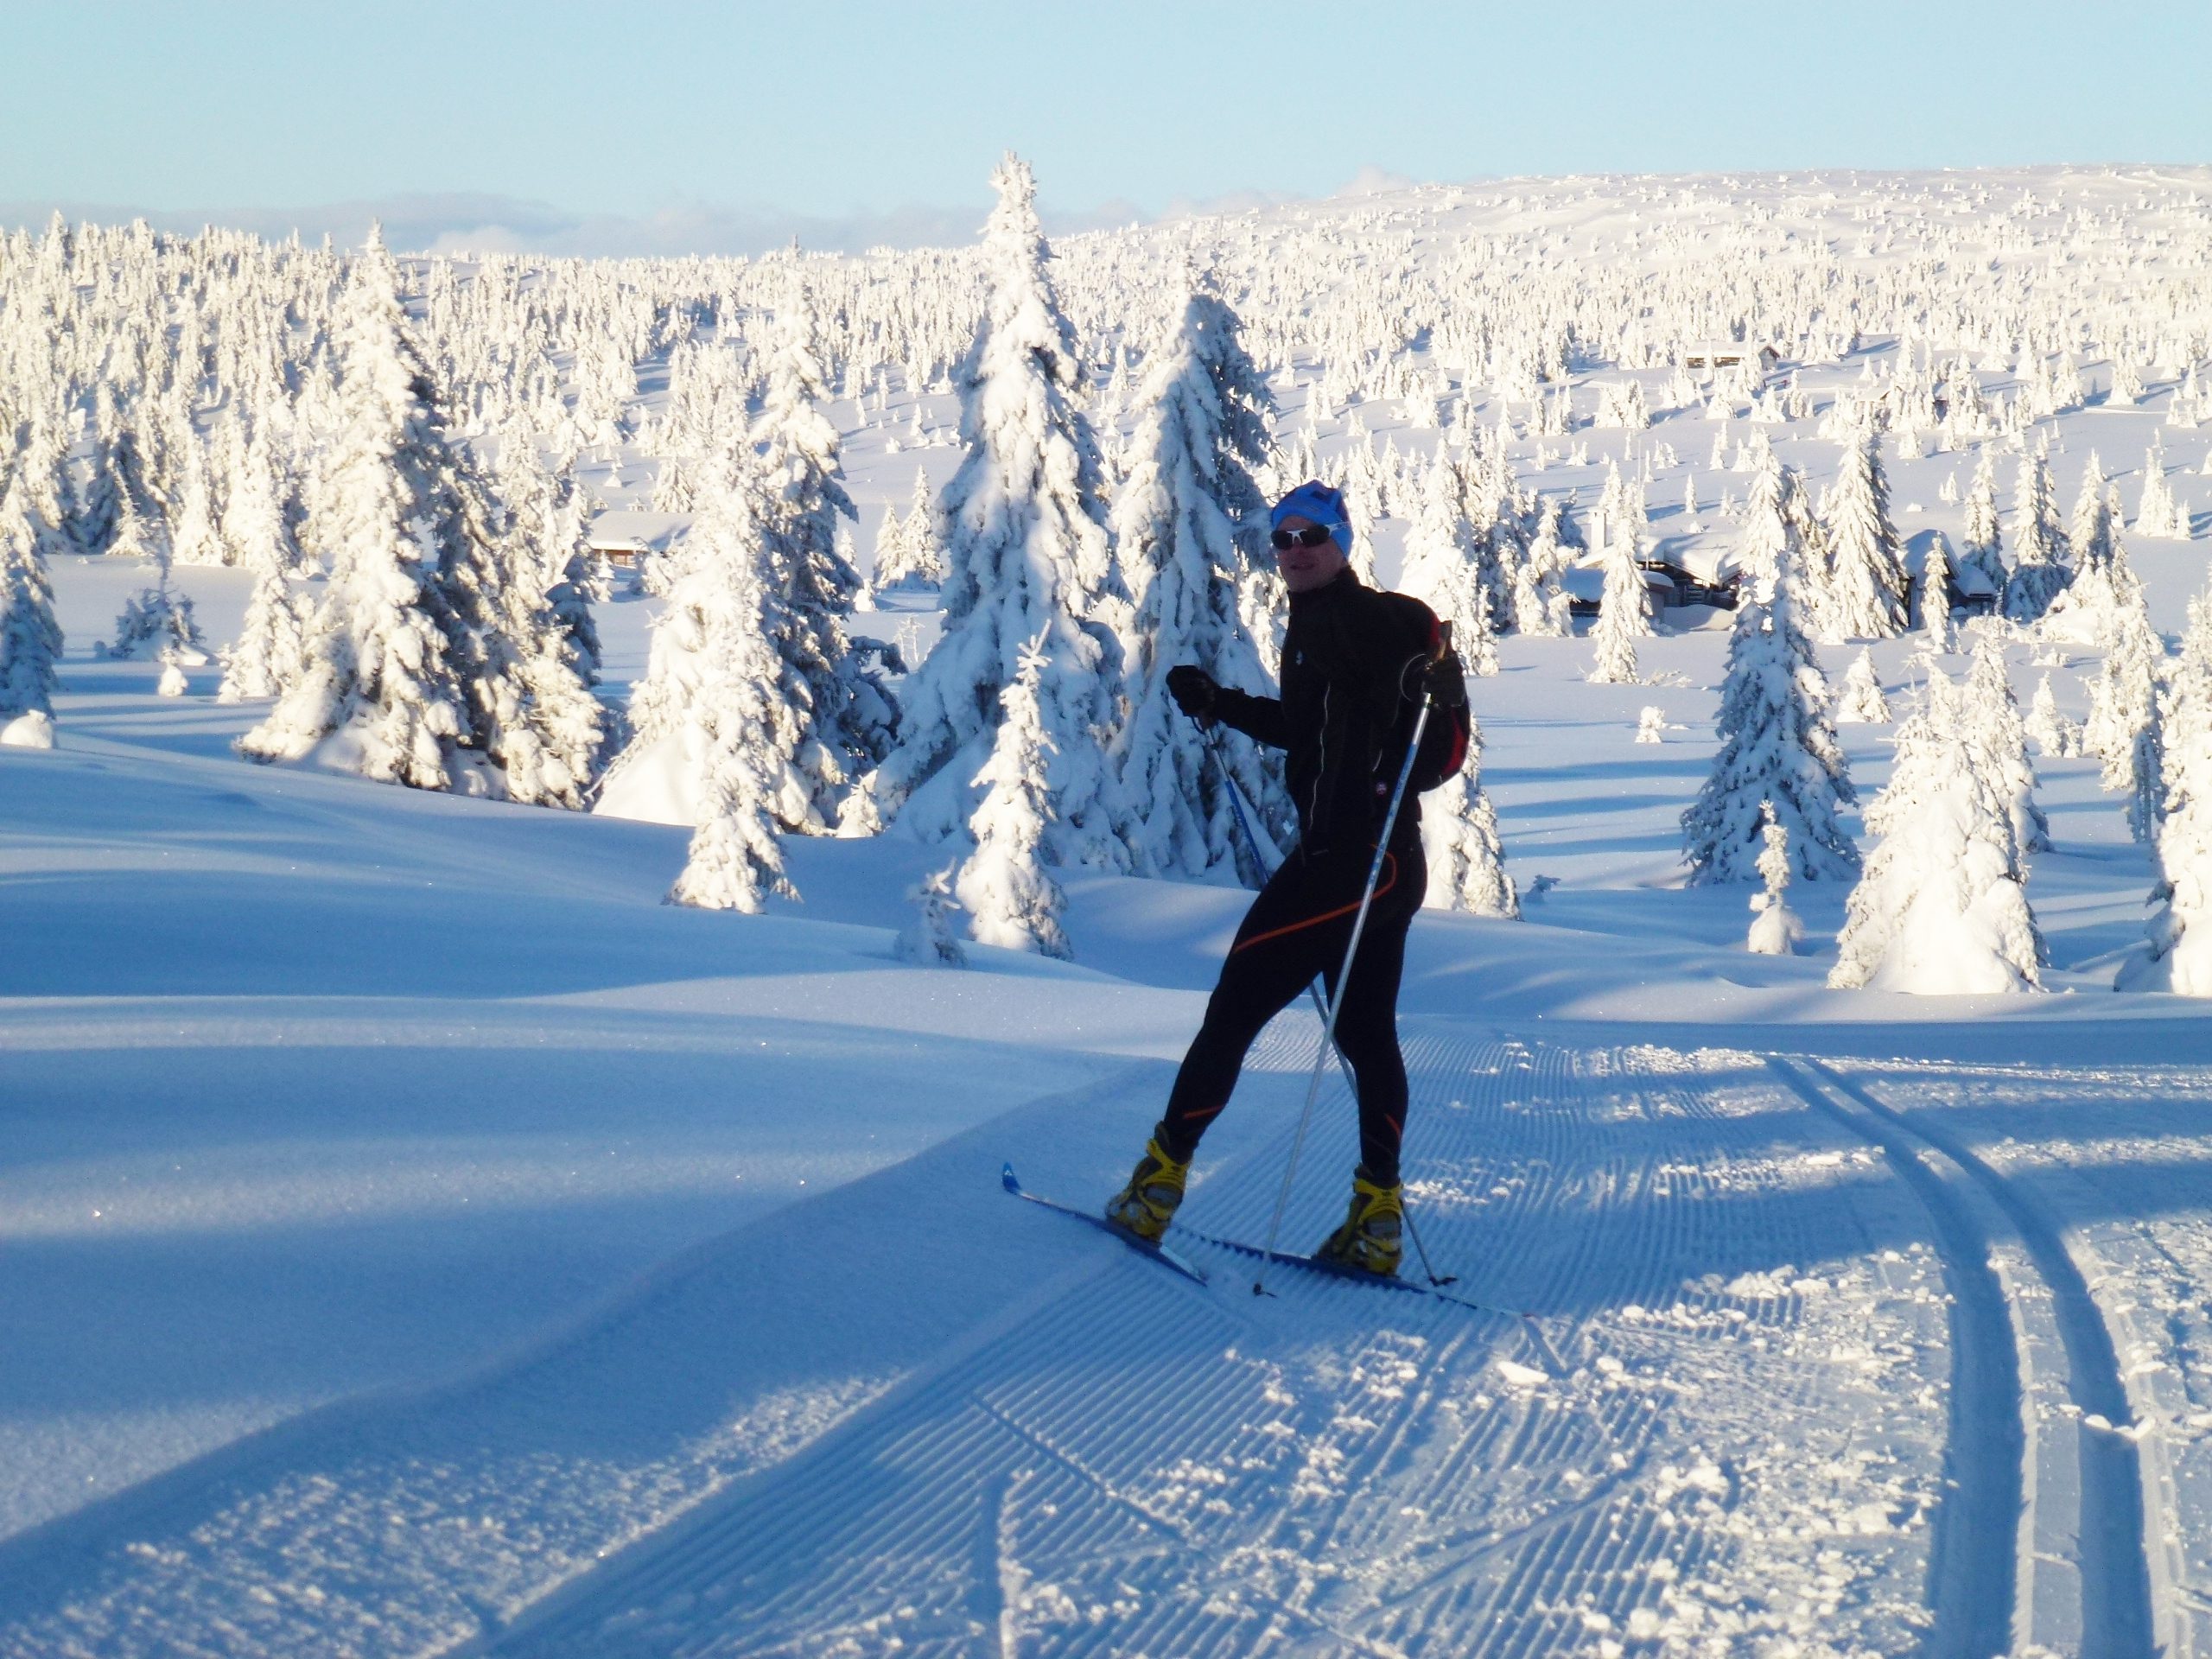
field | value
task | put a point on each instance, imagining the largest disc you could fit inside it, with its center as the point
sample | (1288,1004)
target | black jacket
(1351,662)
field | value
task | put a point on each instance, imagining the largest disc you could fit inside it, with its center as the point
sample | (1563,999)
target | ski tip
(1005,1178)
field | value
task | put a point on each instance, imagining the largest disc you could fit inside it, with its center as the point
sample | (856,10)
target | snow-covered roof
(1709,562)
(1970,580)
(622,529)
(1586,581)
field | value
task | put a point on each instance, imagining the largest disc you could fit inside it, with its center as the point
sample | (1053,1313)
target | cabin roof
(621,529)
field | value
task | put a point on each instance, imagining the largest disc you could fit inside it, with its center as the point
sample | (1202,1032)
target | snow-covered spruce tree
(2089,538)
(1867,588)
(418,672)
(2038,575)
(1997,738)
(1778,751)
(1982,545)
(1026,557)
(713,579)
(269,657)
(919,551)
(2123,726)
(1932,599)
(1460,840)
(927,940)
(1541,609)
(1863,703)
(1184,525)
(1445,566)
(1775,928)
(2157,514)
(542,726)
(1009,895)
(1940,910)
(712,653)
(910,552)
(198,538)
(31,639)
(1766,536)
(1624,601)
(2052,733)
(846,717)
(2179,958)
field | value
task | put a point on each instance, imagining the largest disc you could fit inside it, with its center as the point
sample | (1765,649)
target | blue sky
(666,126)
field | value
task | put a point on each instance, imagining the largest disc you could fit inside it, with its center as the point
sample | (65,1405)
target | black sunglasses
(1312,536)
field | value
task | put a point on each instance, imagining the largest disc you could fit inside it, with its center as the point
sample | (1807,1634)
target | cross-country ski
(1151,1249)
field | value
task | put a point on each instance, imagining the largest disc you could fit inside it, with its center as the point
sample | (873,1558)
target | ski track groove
(2116,1615)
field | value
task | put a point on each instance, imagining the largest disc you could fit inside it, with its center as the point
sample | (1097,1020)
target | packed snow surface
(418,1239)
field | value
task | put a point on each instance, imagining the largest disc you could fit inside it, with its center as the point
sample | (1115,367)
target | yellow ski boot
(1370,1239)
(1148,1203)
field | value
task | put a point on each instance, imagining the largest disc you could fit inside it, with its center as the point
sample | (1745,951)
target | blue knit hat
(1318,502)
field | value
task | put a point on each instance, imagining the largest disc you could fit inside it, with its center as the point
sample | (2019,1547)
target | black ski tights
(1298,927)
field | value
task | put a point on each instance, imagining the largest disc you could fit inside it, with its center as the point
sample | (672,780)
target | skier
(1356,666)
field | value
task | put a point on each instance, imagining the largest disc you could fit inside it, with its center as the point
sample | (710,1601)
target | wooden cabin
(626,538)
(1727,354)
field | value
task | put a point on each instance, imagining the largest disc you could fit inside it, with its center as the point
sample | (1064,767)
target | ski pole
(1344,982)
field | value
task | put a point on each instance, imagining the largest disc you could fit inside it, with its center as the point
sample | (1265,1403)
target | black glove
(1446,681)
(1193,690)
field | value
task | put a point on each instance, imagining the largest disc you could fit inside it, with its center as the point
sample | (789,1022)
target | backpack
(1443,741)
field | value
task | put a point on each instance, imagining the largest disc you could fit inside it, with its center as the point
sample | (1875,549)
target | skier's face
(1306,568)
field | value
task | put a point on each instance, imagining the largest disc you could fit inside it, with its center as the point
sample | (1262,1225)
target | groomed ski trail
(1144,1466)
(2042,1426)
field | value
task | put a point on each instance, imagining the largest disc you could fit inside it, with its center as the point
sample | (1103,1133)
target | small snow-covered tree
(1185,523)
(716,577)
(2157,514)
(1624,601)
(1777,745)
(1934,598)
(1982,546)
(1444,566)
(271,655)
(910,551)
(198,538)
(2122,728)
(1651,724)
(2038,575)
(1996,740)
(1940,908)
(742,731)
(1776,929)
(2053,733)
(31,639)
(1009,895)
(927,940)
(1778,751)
(1542,607)
(2089,538)
(1460,836)
(1866,596)
(2179,958)
(1863,703)
(846,714)
(1027,555)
